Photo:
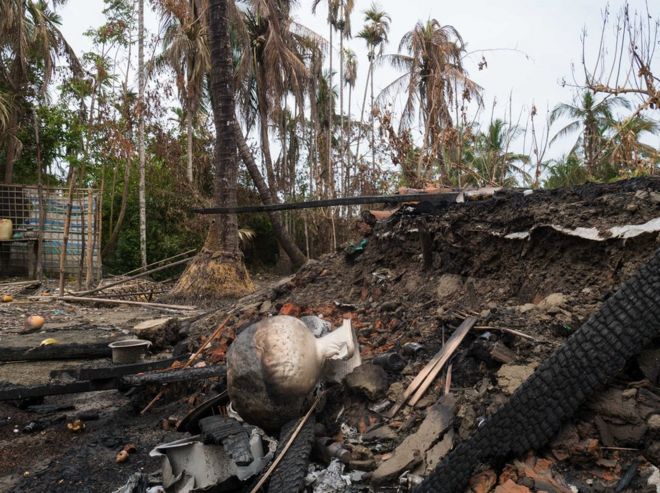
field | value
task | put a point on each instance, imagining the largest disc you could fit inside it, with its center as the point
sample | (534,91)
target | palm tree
(219,270)
(275,64)
(590,119)
(493,163)
(186,52)
(434,79)
(567,171)
(375,34)
(625,153)
(29,34)
(142,199)
(350,78)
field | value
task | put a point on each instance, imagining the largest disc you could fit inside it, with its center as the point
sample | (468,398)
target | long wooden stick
(192,359)
(126,302)
(89,259)
(508,331)
(436,362)
(67,226)
(286,448)
(134,271)
(136,276)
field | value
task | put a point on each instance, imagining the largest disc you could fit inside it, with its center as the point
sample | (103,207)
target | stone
(654,422)
(448,284)
(369,380)
(552,300)
(265,307)
(412,451)
(162,332)
(527,307)
(510,377)
(395,391)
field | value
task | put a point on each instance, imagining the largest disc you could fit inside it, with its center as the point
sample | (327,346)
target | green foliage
(567,172)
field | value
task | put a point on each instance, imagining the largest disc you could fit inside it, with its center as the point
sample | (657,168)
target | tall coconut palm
(375,34)
(334,17)
(142,198)
(276,66)
(219,270)
(350,78)
(29,34)
(590,119)
(434,79)
(186,52)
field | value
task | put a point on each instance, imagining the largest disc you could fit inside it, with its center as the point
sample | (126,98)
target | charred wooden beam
(163,377)
(113,371)
(447,197)
(56,352)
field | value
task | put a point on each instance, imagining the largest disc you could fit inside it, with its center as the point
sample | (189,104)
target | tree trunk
(341,95)
(189,149)
(12,146)
(141,108)
(373,136)
(110,245)
(218,270)
(364,103)
(330,112)
(283,237)
(265,142)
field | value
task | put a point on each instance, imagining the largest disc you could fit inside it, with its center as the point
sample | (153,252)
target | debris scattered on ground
(518,267)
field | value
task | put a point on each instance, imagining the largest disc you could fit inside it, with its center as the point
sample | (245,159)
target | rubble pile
(453,308)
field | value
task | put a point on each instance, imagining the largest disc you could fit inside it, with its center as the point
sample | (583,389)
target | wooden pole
(157,262)
(136,276)
(67,225)
(89,261)
(126,302)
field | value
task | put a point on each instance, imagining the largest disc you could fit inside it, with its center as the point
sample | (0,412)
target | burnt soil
(393,298)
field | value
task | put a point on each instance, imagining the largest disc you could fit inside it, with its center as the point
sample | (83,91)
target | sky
(534,43)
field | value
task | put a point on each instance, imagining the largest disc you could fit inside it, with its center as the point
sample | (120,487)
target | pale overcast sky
(546,31)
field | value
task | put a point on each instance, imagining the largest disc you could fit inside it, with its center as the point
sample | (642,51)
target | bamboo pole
(136,276)
(157,262)
(67,225)
(89,261)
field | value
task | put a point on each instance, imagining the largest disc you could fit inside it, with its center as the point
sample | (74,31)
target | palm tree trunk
(12,146)
(142,185)
(364,103)
(283,238)
(373,140)
(330,111)
(218,269)
(189,149)
(341,93)
(265,142)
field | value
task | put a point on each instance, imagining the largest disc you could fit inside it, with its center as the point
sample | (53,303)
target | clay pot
(274,365)
(6,229)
